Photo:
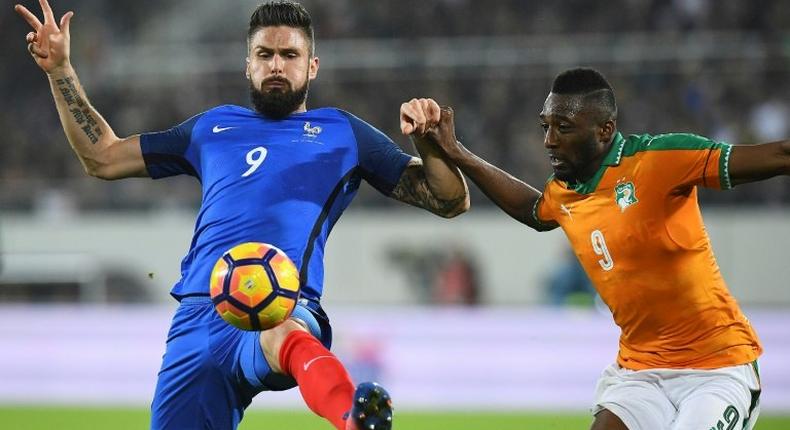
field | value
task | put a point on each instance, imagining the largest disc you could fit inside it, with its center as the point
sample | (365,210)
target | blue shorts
(211,370)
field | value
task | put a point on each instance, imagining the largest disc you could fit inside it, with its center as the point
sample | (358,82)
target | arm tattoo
(79,109)
(413,189)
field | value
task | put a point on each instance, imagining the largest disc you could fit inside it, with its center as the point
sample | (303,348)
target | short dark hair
(590,84)
(282,12)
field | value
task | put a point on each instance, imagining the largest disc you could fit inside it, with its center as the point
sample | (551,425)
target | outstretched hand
(47,43)
(424,120)
(417,116)
(443,134)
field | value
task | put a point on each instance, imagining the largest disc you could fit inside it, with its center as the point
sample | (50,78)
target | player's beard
(278,103)
(575,171)
(564,175)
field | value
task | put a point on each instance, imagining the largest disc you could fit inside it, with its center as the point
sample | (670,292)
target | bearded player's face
(280,67)
(572,137)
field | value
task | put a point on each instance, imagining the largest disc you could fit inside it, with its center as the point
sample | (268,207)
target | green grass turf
(47,418)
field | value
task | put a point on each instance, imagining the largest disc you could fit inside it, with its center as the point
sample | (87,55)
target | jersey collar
(615,152)
(612,158)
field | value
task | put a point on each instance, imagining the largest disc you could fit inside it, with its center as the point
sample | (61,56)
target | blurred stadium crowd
(716,68)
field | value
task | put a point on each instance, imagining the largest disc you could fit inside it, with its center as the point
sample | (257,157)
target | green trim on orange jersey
(724,166)
(616,151)
(669,142)
(685,141)
(635,143)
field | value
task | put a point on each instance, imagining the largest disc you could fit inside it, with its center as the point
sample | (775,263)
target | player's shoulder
(230,110)
(326,111)
(327,114)
(362,129)
(222,112)
(636,143)
(551,180)
(554,190)
(331,115)
(217,119)
(346,115)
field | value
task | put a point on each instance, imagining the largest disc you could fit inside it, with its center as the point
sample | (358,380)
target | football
(254,286)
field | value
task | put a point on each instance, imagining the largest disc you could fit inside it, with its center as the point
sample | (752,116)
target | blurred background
(86,265)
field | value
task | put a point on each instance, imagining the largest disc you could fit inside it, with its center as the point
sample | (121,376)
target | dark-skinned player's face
(280,67)
(574,137)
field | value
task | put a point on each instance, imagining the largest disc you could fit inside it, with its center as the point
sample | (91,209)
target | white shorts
(672,399)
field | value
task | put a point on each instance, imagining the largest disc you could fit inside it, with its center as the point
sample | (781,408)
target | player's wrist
(60,71)
(425,145)
(458,153)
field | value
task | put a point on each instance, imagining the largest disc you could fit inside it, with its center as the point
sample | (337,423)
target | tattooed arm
(432,182)
(100,151)
(415,188)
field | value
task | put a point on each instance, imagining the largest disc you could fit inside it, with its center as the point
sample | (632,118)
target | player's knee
(272,340)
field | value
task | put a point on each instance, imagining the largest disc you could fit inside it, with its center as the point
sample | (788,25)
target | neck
(595,164)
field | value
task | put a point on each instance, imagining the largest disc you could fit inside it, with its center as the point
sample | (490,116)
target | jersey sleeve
(166,153)
(692,160)
(381,161)
(542,213)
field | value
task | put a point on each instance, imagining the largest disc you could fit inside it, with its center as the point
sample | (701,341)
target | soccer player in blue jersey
(278,174)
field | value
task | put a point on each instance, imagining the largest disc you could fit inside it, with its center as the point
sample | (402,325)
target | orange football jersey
(637,229)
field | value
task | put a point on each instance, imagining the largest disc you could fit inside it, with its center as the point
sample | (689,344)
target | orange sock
(325,384)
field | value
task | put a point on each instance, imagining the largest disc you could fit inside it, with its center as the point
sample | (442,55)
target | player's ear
(607,130)
(247,69)
(313,72)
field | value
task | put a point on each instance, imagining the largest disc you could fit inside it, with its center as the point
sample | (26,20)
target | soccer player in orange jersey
(628,205)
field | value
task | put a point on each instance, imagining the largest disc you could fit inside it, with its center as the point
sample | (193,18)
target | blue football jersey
(284,182)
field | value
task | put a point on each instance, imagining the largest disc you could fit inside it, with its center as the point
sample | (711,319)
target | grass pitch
(62,418)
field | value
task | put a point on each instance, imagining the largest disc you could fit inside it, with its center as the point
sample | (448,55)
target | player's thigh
(194,389)
(720,403)
(634,399)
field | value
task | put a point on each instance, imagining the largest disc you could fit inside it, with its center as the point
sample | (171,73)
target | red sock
(325,384)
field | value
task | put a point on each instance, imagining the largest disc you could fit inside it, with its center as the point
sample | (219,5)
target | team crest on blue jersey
(625,195)
(311,131)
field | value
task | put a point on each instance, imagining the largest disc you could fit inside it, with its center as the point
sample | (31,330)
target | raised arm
(100,151)
(512,195)
(750,163)
(431,182)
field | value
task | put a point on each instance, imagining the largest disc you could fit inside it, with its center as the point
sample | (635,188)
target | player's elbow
(98,166)
(455,207)
(458,205)
(463,207)
(785,157)
(107,161)
(92,167)
(101,173)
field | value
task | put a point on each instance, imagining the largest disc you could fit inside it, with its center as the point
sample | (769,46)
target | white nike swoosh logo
(567,210)
(306,365)
(218,129)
